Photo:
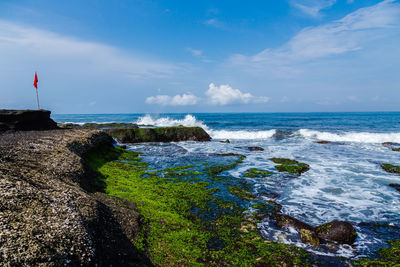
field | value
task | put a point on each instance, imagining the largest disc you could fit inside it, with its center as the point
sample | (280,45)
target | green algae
(161,134)
(290,165)
(241,192)
(391,168)
(215,170)
(257,173)
(388,256)
(173,233)
(268,207)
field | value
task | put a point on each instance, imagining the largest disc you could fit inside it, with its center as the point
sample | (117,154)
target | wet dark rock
(48,218)
(286,221)
(392,146)
(255,148)
(226,141)
(323,142)
(337,231)
(26,120)
(162,134)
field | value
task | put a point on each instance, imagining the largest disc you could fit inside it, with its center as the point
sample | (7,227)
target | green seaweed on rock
(175,235)
(257,173)
(391,168)
(388,256)
(290,165)
(214,170)
(241,192)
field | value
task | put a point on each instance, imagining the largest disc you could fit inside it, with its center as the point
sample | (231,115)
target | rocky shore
(70,198)
(48,217)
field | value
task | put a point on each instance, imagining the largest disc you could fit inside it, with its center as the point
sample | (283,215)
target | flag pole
(35,84)
(37,98)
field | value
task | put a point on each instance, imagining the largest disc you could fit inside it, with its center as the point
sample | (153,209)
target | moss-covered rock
(266,209)
(286,221)
(290,165)
(391,168)
(337,231)
(388,256)
(162,134)
(174,233)
(309,237)
(214,170)
(253,173)
(241,192)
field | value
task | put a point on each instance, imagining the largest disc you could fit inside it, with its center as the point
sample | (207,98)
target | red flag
(35,81)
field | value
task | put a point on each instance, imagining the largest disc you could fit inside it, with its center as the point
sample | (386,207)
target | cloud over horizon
(215,95)
(177,100)
(225,94)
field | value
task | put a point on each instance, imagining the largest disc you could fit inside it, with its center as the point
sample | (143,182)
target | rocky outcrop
(286,221)
(93,125)
(255,148)
(26,120)
(162,134)
(337,231)
(47,216)
(290,165)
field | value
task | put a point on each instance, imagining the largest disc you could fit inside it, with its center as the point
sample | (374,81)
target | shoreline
(55,162)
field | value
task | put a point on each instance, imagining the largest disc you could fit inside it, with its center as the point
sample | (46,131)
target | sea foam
(191,121)
(358,137)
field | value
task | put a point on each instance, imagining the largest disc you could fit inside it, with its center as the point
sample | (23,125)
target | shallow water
(345,180)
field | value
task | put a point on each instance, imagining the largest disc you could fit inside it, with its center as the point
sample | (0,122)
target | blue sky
(201,56)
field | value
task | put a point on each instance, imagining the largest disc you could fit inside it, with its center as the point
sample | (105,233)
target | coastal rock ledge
(48,217)
(26,120)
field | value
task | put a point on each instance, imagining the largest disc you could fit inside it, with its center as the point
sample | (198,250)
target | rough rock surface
(338,231)
(46,217)
(286,221)
(26,120)
(161,134)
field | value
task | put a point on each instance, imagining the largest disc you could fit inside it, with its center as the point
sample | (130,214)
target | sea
(345,181)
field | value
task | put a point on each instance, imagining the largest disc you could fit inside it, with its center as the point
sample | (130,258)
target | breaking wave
(357,137)
(191,121)
(242,135)
(188,121)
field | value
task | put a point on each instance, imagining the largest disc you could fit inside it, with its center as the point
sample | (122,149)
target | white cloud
(59,52)
(348,34)
(178,100)
(225,94)
(312,7)
(195,52)
(214,22)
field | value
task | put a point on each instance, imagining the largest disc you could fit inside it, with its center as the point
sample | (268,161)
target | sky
(143,56)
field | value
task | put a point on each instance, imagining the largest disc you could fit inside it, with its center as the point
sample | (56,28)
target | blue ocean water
(345,181)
